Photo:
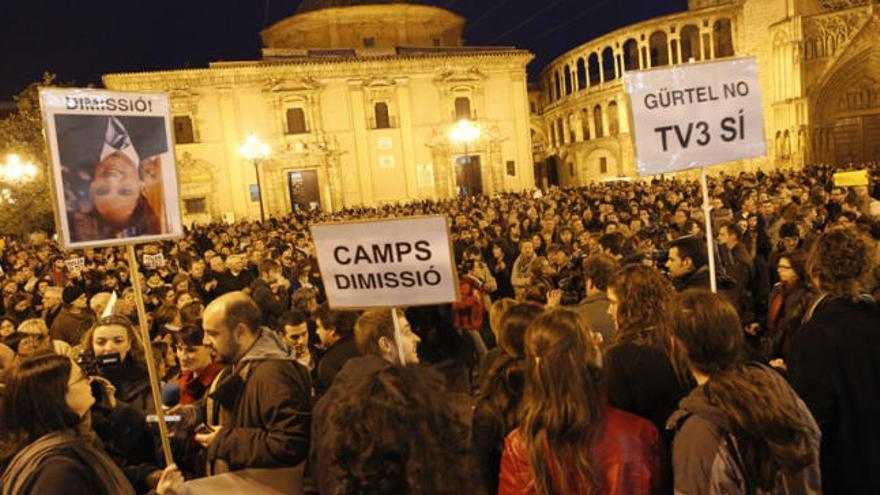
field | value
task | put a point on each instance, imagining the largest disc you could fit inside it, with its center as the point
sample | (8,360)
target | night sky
(81,39)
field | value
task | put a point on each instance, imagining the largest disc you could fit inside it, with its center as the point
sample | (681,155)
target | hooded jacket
(264,408)
(705,458)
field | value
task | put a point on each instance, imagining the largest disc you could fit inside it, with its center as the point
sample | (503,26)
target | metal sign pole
(397,335)
(710,239)
(148,351)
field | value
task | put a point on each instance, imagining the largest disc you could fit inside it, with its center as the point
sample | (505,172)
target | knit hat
(71,293)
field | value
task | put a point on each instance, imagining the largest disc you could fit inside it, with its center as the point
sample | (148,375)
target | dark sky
(81,39)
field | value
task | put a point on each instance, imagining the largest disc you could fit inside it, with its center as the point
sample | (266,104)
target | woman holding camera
(48,446)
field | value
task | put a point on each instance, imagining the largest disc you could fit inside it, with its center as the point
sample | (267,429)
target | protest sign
(384,263)
(153,261)
(75,265)
(112,166)
(694,115)
(851,179)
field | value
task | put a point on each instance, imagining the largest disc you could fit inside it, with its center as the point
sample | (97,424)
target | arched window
(581,74)
(786,145)
(567,80)
(380,113)
(690,43)
(462,108)
(560,132)
(296,121)
(778,144)
(613,119)
(594,69)
(721,30)
(557,85)
(572,126)
(608,69)
(597,118)
(631,55)
(585,123)
(659,49)
(552,134)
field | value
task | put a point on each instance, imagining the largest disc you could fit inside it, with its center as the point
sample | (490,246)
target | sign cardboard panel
(399,262)
(112,166)
(851,179)
(694,115)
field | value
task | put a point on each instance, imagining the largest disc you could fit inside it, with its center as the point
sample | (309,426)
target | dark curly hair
(397,432)
(840,261)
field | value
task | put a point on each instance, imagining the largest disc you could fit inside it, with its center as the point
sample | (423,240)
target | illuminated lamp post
(256,150)
(15,171)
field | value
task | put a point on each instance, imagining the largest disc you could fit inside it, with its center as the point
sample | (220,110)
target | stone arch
(722,32)
(581,74)
(690,43)
(659,48)
(560,131)
(597,119)
(613,119)
(777,144)
(786,144)
(609,71)
(593,69)
(631,55)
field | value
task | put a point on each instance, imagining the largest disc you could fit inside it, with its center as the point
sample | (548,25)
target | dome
(365,24)
(310,5)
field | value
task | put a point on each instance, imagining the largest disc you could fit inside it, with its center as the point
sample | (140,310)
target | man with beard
(256,429)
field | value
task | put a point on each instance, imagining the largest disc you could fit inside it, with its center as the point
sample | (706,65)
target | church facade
(819,72)
(356,101)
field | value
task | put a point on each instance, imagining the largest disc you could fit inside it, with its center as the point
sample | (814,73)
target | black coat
(332,362)
(272,305)
(642,381)
(834,365)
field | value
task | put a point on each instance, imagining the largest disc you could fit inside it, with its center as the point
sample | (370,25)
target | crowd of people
(585,355)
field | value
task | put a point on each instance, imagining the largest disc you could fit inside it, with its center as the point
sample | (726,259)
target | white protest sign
(75,265)
(153,261)
(401,262)
(695,115)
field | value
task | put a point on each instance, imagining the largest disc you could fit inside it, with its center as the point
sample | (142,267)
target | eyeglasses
(784,267)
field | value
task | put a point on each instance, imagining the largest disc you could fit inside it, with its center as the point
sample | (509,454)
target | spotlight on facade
(16,171)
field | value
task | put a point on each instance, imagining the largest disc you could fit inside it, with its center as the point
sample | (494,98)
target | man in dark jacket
(336,332)
(378,345)
(263,400)
(687,264)
(271,292)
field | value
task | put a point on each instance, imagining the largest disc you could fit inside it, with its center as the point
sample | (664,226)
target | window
(380,111)
(613,119)
(462,108)
(690,43)
(608,69)
(369,42)
(723,38)
(581,74)
(603,165)
(597,117)
(296,121)
(659,49)
(511,168)
(436,41)
(631,55)
(567,81)
(570,169)
(183,130)
(593,69)
(194,206)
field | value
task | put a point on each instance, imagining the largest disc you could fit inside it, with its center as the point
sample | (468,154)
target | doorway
(468,176)
(304,192)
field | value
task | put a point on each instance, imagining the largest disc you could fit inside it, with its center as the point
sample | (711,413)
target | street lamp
(16,171)
(256,150)
(464,132)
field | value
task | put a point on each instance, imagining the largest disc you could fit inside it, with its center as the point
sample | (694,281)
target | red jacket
(193,388)
(625,450)
(468,313)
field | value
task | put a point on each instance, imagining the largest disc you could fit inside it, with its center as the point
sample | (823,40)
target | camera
(92,364)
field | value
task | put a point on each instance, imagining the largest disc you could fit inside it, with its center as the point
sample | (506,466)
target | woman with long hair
(790,299)
(47,445)
(642,377)
(742,429)
(570,440)
(497,409)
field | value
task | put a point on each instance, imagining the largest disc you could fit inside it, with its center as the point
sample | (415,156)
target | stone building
(819,72)
(356,99)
